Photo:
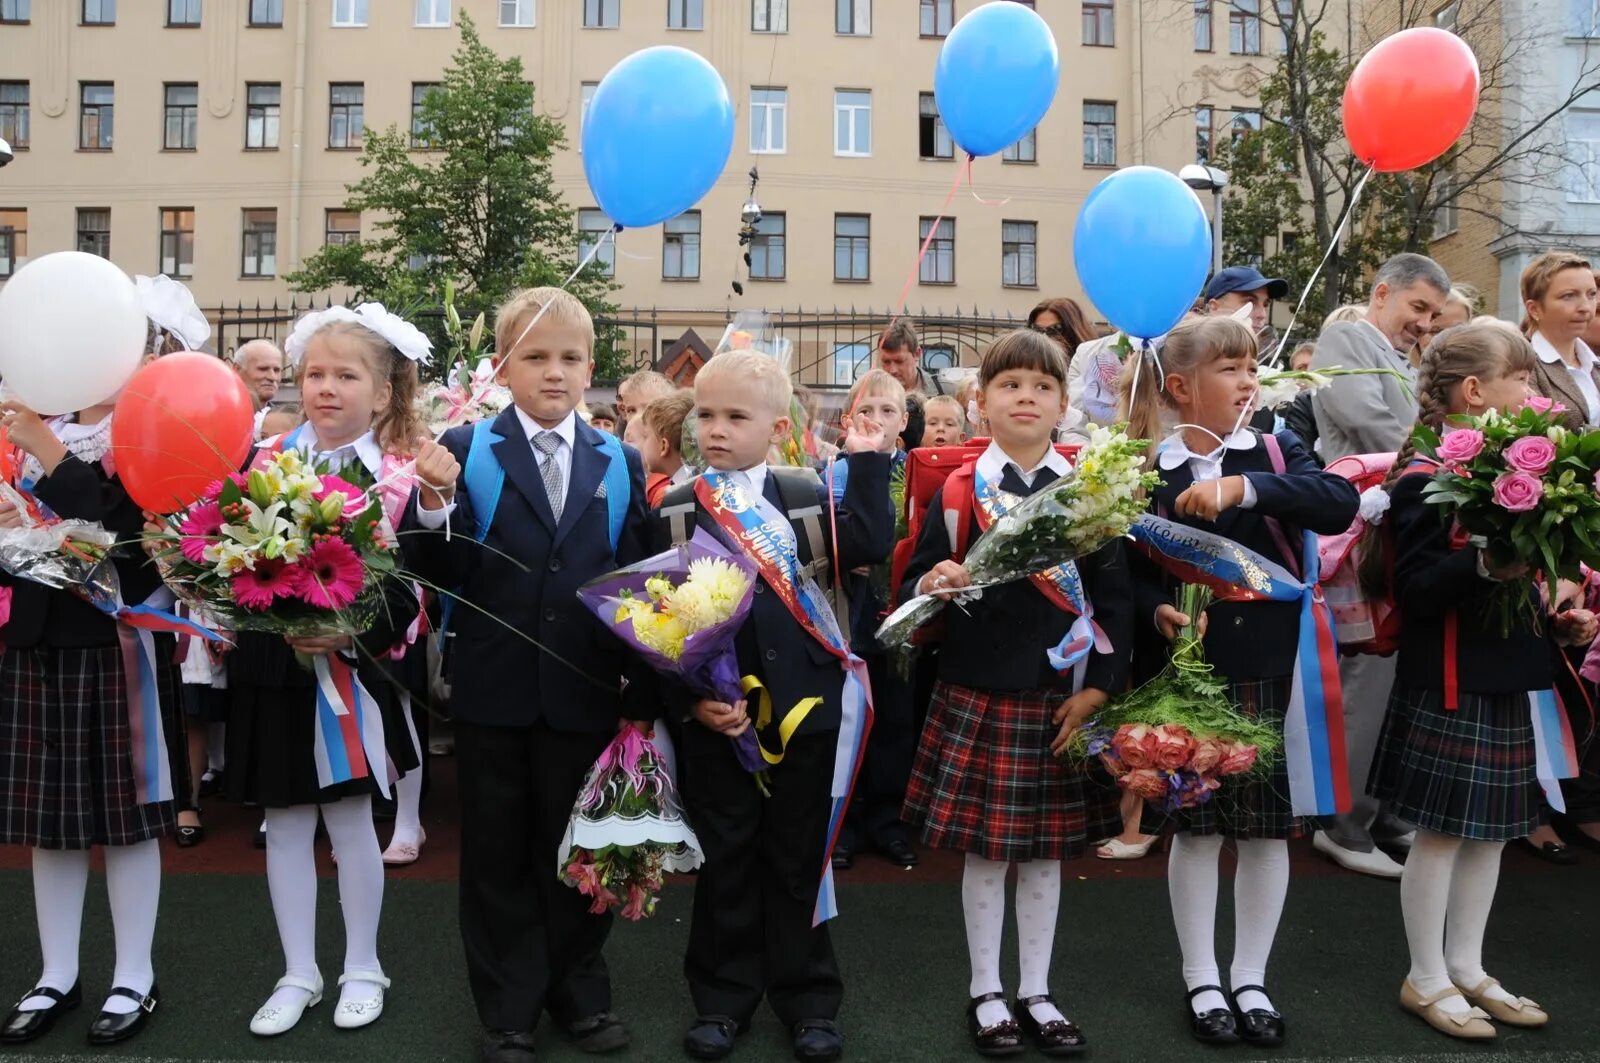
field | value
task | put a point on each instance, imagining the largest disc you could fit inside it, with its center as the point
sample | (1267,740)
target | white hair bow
(171,306)
(400,333)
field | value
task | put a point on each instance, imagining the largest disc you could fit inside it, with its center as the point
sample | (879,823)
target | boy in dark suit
(752,934)
(548,503)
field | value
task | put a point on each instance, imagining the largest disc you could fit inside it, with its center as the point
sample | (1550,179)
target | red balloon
(1410,98)
(182,423)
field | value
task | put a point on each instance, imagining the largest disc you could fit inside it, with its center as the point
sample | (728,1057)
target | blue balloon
(996,75)
(1142,248)
(657,135)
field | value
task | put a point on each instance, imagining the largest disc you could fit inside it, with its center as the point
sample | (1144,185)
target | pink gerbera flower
(200,528)
(259,587)
(330,575)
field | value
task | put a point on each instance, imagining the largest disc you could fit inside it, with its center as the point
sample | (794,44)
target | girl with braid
(1463,772)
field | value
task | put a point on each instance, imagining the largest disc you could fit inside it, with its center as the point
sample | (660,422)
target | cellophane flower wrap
(627,829)
(1524,489)
(1174,739)
(1094,503)
(680,610)
(287,548)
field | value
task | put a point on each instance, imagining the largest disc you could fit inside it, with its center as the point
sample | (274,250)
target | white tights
(1448,886)
(1259,888)
(983,902)
(408,791)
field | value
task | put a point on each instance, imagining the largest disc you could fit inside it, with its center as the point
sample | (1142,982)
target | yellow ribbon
(791,720)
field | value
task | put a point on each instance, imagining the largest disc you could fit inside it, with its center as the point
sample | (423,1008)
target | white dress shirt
(993,461)
(1582,373)
(364,449)
(1174,452)
(434,519)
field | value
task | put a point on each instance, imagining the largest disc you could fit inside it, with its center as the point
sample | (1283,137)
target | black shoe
(506,1046)
(1059,1037)
(109,1027)
(711,1036)
(600,1032)
(817,1039)
(1583,841)
(843,857)
(1258,1026)
(898,852)
(211,783)
(1004,1038)
(1554,852)
(23,1026)
(189,837)
(1214,1027)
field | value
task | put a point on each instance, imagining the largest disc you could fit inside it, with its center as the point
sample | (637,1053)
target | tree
(465,197)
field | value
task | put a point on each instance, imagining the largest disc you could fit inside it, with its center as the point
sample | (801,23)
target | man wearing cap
(1240,286)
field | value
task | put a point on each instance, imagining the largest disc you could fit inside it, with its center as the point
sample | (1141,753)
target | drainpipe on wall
(1138,82)
(297,129)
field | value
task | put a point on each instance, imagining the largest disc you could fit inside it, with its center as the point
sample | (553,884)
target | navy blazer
(1255,640)
(524,577)
(771,644)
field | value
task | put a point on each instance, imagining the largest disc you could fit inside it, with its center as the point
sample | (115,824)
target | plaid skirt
(1248,806)
(985,782)
(1468,773)
(66,770)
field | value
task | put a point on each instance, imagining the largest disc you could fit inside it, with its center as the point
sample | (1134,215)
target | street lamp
(1209,179)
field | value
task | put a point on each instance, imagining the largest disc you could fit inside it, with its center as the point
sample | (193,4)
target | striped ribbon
(1556,753)
(349,727)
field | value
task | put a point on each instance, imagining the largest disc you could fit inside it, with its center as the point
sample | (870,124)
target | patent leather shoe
(21,1026)
(109,1027)
(1214,1027)
(1258,1026)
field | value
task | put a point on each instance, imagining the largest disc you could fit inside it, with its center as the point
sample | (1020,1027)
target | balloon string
(971,188)
(916,268)
(1338,231)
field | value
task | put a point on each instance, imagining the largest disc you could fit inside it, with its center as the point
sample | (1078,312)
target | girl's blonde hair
(397,425)
(1192,344)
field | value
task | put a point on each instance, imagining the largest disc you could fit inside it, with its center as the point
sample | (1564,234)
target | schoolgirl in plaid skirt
(1457,755)
(988,780)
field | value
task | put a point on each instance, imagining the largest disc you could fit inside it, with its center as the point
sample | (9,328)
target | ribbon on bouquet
(763,533)
(1313,726)
(1556,753)
(349,727)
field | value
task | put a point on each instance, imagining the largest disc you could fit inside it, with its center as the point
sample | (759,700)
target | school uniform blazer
(42,616)
(1255,640)
(1431,580)
(998,642)
(771,644)
(525,576)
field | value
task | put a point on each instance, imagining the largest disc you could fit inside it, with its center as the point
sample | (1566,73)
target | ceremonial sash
(759,529)
(1313,726)
(349,727)
(1556,753)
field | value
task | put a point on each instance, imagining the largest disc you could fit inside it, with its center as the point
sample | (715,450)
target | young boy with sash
(547,504)
(765,891)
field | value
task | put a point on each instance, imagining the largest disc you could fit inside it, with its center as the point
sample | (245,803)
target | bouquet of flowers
(627,828)
(470,395)
(1173,740)
(286,548)
(1090,506)
(1279,387)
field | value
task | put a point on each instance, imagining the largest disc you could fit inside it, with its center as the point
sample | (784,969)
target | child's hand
(10,515)
(1576,627)
(1071,715)
(27,430)
(153,527)
(1170,622)
(719,716)
(437,472)
(866,436)
(944,579)
(320,646)
(1208,499)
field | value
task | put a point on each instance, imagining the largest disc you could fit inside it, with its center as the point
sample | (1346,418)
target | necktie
(547,443)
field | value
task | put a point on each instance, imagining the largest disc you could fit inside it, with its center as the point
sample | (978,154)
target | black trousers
(531,944)
(886,769)
(751,934)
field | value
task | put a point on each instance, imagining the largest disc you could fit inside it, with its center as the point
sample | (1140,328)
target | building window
(1202,25)
(94,231)
(99,13)
(1446,17)
(1244,122)
(935,17)
(340,227)
(1285,25)
(516,12)
(852,122)
(182,118)
(1446,216)
(95,115)
(432,14)
(933,139)
(13,11)
(767,250)
(266,12)
(349,12)
(1583,149)
(1585,18)
(592,228)
(602,14)
(1202,134)
(177,241)
(1024,150)
(586,93)
(852,18)
(1099,134)
(680,247)
(769,16)
(183,12)
(852,247)
(419,130)
(260,244)
(769,121)
(1019,254)
(14,113)
(1099,23)
(1244,27)
(263,107)
(345,122)
(686,14)
(939,264)
(13,240)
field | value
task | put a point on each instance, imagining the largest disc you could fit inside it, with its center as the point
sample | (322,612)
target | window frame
(600,8)
(261,252)
(105,117)
(685,9)
(1205,14)
(1583,177)
(21,12)
(8,238)
(101,236)
(20,114)
(1449,211)
(250,15)
(1104,14)
(766,242)
(933,8)
(193,24)
(85,20)
(1100,164)
(854,152)
(934,251)
(531,6)
(772,7)
(358,15)
(1582,27)
(1013,153)
(1247,22)
(250,116)
(433,12)
(1033,243)
(864,240)
(683,244)
(416,142)
(606,259)
(345,109)
(856,9)
(767,109)
(177,233)
(925,101)
(345,237)
(189,123)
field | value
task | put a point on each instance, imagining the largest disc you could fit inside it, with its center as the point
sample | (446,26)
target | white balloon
(72,331)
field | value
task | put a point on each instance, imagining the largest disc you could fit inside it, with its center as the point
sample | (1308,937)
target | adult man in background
(260,364)
(900,355)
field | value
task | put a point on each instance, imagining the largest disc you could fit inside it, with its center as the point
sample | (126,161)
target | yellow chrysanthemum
(723,583)
(693,605)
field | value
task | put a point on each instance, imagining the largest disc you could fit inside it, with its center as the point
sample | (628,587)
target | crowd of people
(515,513)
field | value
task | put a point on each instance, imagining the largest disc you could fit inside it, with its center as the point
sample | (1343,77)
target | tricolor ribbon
(1556,754)
(349,727)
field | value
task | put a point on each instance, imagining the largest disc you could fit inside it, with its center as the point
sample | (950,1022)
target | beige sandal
(1470,1025)
(1518,1012)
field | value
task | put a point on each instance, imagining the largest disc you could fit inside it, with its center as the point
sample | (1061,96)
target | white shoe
(1377,863)
(399,854)
(354,1014)
(274,1019)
